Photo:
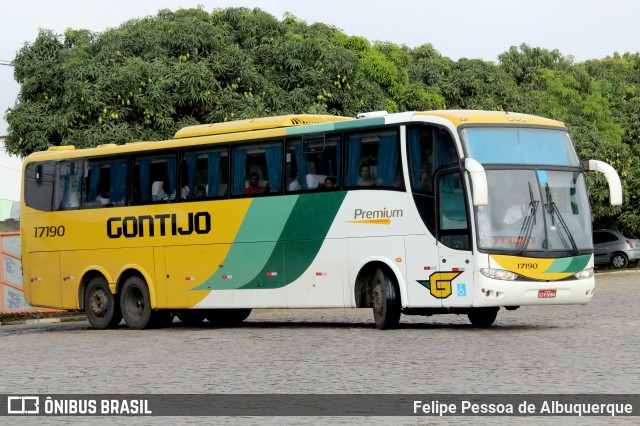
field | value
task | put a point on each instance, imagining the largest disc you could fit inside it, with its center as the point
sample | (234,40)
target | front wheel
(386,300)
(483,317)
(135,303)
(100,305)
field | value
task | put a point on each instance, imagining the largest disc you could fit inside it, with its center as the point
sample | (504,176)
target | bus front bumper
(493,292)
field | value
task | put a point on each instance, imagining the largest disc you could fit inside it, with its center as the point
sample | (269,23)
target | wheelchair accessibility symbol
(462,290)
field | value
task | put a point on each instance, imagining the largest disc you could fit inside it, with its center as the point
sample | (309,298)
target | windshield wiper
(552,208)
(527,225)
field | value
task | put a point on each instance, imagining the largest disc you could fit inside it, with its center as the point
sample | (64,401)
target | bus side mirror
(615,187)
(478,181)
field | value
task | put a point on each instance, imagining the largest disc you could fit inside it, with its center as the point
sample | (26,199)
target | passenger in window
(201,192)
(330,182)
(254,187)
(426,184)
(103,197)
(398,181)
(158,192)
(365,179)
(295,184)
(184,192)
(517,211)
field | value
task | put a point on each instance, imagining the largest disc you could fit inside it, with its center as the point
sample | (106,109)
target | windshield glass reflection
(535,210)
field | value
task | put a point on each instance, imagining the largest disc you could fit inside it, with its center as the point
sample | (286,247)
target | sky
(584,29)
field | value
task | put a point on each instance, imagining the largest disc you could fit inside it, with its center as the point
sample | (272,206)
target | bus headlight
(498,274)
(584,274)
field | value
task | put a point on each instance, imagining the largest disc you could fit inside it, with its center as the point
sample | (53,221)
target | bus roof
(461,117)
(256,124)
(294,124)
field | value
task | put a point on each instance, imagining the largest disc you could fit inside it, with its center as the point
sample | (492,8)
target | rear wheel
(227,316)
(619,260)
(135,304)
(483,317)
(386,300)
(100,305)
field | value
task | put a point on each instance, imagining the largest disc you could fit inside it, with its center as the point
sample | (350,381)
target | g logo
(439,283)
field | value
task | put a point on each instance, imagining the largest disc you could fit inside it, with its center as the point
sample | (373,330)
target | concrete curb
(45,320)
(616,271)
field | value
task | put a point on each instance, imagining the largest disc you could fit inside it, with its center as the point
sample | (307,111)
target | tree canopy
(149,77)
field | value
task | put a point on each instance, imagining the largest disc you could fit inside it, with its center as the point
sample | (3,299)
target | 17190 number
(49,231)
(527,266)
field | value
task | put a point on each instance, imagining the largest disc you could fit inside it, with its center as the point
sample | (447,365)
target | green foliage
(150,77)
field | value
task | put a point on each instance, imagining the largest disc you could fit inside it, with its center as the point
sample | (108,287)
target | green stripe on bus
(263,223)
(299,238)
(300,241)
(569,264)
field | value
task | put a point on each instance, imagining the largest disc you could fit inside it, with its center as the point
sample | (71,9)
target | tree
(149,77)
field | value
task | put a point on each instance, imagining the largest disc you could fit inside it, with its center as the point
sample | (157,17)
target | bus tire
(483,317)
(100,305)
(386,300)
(227,316)
(194,317)
(135,304)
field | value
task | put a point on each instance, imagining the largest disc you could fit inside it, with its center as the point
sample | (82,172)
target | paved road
(562,349)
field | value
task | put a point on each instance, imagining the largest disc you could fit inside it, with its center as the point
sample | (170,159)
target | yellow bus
(415,213)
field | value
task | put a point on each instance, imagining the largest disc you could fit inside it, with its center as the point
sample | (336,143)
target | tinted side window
(597,238)
(55,185)
(453,224)
(429,148)
(313,163)
(373,160)
(105,182)
(39,182)
(204,174)
(257,169)
(154,179)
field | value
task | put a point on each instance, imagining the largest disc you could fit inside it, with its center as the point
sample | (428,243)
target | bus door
(453,281)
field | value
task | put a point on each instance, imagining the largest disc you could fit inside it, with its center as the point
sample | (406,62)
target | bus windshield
(535,210)
(518,145)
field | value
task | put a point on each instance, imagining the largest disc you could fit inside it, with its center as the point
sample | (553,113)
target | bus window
(68,190)
(39,179)
(429,149)
(154,179)
(311,161)
(257,169)
(105,182)
(373,160)
(453,227)
(204,174)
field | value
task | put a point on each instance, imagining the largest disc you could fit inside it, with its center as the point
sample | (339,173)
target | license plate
(546,294)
